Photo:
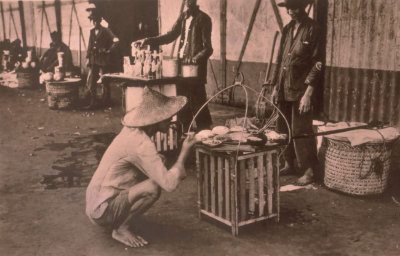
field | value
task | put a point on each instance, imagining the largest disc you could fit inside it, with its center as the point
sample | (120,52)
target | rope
(245,87)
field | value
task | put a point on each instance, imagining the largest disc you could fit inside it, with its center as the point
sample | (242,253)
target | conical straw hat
(154,108)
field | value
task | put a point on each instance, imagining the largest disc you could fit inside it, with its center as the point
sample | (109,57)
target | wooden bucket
(27,79)
(63,94)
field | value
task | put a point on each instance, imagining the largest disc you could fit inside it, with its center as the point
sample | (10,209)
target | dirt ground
(47,158)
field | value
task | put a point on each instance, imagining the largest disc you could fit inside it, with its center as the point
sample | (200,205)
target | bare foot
(128,238)
(306,179)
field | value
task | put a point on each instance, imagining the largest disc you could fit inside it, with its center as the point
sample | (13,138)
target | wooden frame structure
(238,190)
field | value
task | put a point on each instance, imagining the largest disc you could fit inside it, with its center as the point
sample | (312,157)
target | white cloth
(360,136)
(188,22)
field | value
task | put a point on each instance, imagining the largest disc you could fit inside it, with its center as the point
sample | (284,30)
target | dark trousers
(304,149)
(94,74)
(196,94)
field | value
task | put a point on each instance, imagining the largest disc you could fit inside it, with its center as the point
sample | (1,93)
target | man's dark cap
(294,4)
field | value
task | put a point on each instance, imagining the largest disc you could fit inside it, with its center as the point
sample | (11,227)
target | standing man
(102,43)
(194,27)
(131,173)
(298,69)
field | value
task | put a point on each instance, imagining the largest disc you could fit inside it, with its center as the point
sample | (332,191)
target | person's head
(94,14)
(190,4)
(154,112)
(96,19)
(295,8)
(55,37)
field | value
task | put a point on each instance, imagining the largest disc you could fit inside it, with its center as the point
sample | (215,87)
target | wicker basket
(63,94)
(358,170)
(27,79)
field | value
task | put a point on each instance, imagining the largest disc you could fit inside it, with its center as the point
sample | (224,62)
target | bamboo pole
(22,20)
(45,15)
(251,186)
(13,21)
(174,43)
(2,19)
(223,25)
(277,15)
(260,176)
(219,187)
(206,180)
(212,184)
(270,188)
(234,196)
(70,23)
(57,8)
(199,182)
(227,194)
(242,189)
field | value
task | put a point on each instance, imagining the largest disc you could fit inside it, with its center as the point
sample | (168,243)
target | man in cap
(131,173)
(298,69)
(102,43)
(194,28)
(49,60)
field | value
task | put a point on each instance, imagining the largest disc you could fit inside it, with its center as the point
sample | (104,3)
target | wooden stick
(260,175)
(251,187)
(199,182)
(220,188)
(213,189)
(206,180)
(174,43)
(3,22)
(277,15)
(270,188)
(227,194)
(242,189)
(276,184)
(234,196)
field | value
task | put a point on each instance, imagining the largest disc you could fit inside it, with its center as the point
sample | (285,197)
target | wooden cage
(238,191)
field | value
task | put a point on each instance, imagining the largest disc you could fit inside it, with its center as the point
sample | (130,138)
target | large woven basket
(27,79)
(63,94)
(358,170)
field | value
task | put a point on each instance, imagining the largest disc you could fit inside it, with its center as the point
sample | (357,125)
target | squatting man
(131,173)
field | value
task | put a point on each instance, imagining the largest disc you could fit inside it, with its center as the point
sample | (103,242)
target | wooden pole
(223,25)
(45,15)
(277,15)
(2,19)
(13,22)
(22,19)
(248,33)
(174,43)
(57,7)
(70,22)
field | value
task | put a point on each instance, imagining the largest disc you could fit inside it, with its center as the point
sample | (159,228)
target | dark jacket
(100,46)
(299,60)
(199,45)
(49,60)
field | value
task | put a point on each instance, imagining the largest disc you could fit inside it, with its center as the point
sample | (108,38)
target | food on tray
(236,128)
(212,142)
(203,135)
(273,135)
(219,130)
(239,136)
(253,138)
(222,137)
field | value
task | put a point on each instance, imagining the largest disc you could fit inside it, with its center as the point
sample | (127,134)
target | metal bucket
(190,70)
(169,67)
